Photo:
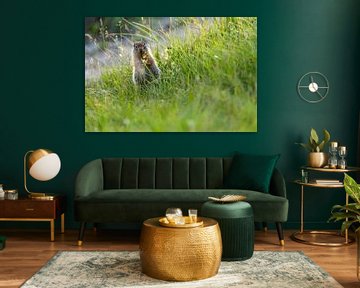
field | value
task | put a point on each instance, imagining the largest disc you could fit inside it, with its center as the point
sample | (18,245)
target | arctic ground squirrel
(145,68)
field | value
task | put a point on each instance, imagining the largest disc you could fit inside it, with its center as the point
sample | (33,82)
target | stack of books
(327,181)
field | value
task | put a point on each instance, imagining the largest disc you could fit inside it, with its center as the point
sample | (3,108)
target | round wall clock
(313,87)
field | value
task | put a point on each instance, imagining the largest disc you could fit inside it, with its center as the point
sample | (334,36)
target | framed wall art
(170,74)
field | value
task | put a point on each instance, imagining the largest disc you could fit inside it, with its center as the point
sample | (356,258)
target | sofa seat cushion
(266,207)
(179,195)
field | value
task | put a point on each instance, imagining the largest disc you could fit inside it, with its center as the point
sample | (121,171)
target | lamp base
(41,196)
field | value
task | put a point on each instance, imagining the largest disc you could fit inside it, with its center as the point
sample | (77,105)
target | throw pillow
(251,172)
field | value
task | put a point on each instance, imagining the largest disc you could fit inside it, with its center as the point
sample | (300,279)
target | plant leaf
(326,136)
(353,210)
(312,144)
(352,188)
(346,225)
(337,216)
(352,207)
(321,146)
(306,146)
(314,135)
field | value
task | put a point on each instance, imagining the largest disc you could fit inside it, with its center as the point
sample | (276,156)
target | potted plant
(350,214)
(317,157)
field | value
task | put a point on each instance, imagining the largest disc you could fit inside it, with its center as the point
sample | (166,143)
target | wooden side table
(26,209)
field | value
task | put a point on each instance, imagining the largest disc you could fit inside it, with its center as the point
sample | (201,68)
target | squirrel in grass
(145,68)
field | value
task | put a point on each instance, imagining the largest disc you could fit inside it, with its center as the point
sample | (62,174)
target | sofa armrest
(89,179)
(277,184)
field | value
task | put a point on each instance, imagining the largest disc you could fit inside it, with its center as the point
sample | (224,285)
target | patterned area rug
(122,269)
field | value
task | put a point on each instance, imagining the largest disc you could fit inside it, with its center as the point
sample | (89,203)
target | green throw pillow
(251,172)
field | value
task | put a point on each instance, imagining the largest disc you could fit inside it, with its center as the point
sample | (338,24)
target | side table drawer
(31,209)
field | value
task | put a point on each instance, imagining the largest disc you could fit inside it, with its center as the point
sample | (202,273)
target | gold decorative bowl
(188,224)
(228,198)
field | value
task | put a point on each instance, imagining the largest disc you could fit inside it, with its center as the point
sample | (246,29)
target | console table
(297,235)
(27,209)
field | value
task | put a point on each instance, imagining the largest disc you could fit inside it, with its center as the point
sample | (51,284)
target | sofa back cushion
(251,172)
(165,173)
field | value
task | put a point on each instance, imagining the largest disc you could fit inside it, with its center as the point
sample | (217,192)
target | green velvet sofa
(130,190)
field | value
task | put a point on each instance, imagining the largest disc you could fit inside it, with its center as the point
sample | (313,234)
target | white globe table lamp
(43,165)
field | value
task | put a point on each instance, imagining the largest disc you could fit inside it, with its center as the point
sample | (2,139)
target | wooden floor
(28,250)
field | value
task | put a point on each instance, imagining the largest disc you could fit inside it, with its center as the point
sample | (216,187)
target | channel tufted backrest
(165,173)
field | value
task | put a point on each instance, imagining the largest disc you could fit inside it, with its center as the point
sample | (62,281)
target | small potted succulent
(317,157)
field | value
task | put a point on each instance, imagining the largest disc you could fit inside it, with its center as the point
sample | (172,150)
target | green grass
(208,83)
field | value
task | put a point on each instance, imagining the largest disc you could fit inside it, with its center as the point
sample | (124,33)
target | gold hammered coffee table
(180,254)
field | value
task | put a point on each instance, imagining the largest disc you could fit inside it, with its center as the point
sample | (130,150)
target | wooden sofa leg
(81,233)
(265,227)
(280,233)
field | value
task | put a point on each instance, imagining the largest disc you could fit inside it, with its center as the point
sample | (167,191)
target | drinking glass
(193,215)
(179,220)
(172,214)
(304,176)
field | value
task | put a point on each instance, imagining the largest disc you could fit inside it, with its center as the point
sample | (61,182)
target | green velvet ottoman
(236,221)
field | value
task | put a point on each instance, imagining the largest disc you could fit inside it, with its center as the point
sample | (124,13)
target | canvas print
(170,74)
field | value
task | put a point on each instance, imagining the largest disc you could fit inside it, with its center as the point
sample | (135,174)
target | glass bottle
(342,154)
(11,194)
(333,151)
(2,192)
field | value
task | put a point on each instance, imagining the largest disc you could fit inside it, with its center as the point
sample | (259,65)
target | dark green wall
(42,88)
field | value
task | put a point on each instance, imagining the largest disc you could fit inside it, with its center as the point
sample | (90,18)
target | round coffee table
(180,254)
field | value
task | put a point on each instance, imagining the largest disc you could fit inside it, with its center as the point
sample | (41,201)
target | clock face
(313,87)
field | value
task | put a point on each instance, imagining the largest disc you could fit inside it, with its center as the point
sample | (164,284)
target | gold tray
(228,198)
(165,222)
